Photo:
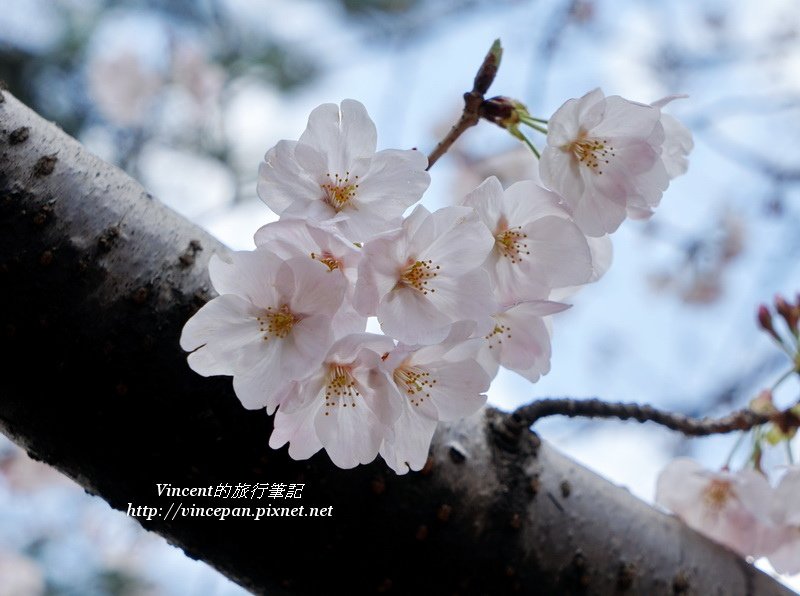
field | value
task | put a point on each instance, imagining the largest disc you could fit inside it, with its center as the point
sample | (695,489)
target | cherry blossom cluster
(740,510)
(457,292)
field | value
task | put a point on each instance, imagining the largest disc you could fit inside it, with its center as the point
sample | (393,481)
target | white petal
(281,180)
(297,428)
(411,442)
(227,324)
(453,237)
(487,201)
(396,180)
(351,435)
(626,118)
(410,317)
(526,201)
(678,143)
(317,290)
(249,274)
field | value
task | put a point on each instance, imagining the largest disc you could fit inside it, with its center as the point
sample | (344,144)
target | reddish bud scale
(765,321)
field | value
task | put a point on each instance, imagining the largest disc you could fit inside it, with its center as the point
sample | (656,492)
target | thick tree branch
(98,280)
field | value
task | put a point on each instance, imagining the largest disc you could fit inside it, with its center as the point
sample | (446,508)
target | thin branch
(525,416)
(472,102)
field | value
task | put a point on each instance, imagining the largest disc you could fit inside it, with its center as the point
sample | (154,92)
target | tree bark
(98,279)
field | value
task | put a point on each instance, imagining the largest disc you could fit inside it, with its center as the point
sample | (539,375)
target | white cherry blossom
(537,246)
(604,156)
(332,173)
(270,325)
(520,339)
(442,382)
(426,276)
(296,238)
(343,406)
(785,513)
(731,508)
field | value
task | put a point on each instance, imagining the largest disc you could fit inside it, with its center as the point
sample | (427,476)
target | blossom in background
(731,508)
(426,276)
(193,72)
(333,174)
(123,87)
(537,247)
(342,406)
(604,157)
(784,556)
(432,383)
(270,325)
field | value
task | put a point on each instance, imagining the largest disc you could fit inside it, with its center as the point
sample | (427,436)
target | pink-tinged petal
(597,215)
(559,252)
(314,163)
(316,289)
(559,172)
(342,136)
(785,504)
(602,255)
(487,201)
(208,364)
(573,115)
(634,156)
(367,222)
(347,321)
(453,237)
(249,274)
(359,134)
(467,297)
(526,350)
(347,349)
(678,143)
(526,201)
(309,341)
(258,390)
(458,389)
(625,118)
(785,557)
(227,323)
(411,442)
(396,180)
(285,238)
(281,180)
(489,361)
(378,271)
(296,427)
(350,435)
(410,317)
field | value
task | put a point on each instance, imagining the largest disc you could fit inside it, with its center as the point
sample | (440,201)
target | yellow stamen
(495,338)
(593,153)
(327,259)
(417,274)
(341,388)
(511,244)
(415,382)
(339,191)
(717,493)
(276,323)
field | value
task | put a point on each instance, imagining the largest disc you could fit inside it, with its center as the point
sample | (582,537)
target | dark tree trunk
(98,279)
